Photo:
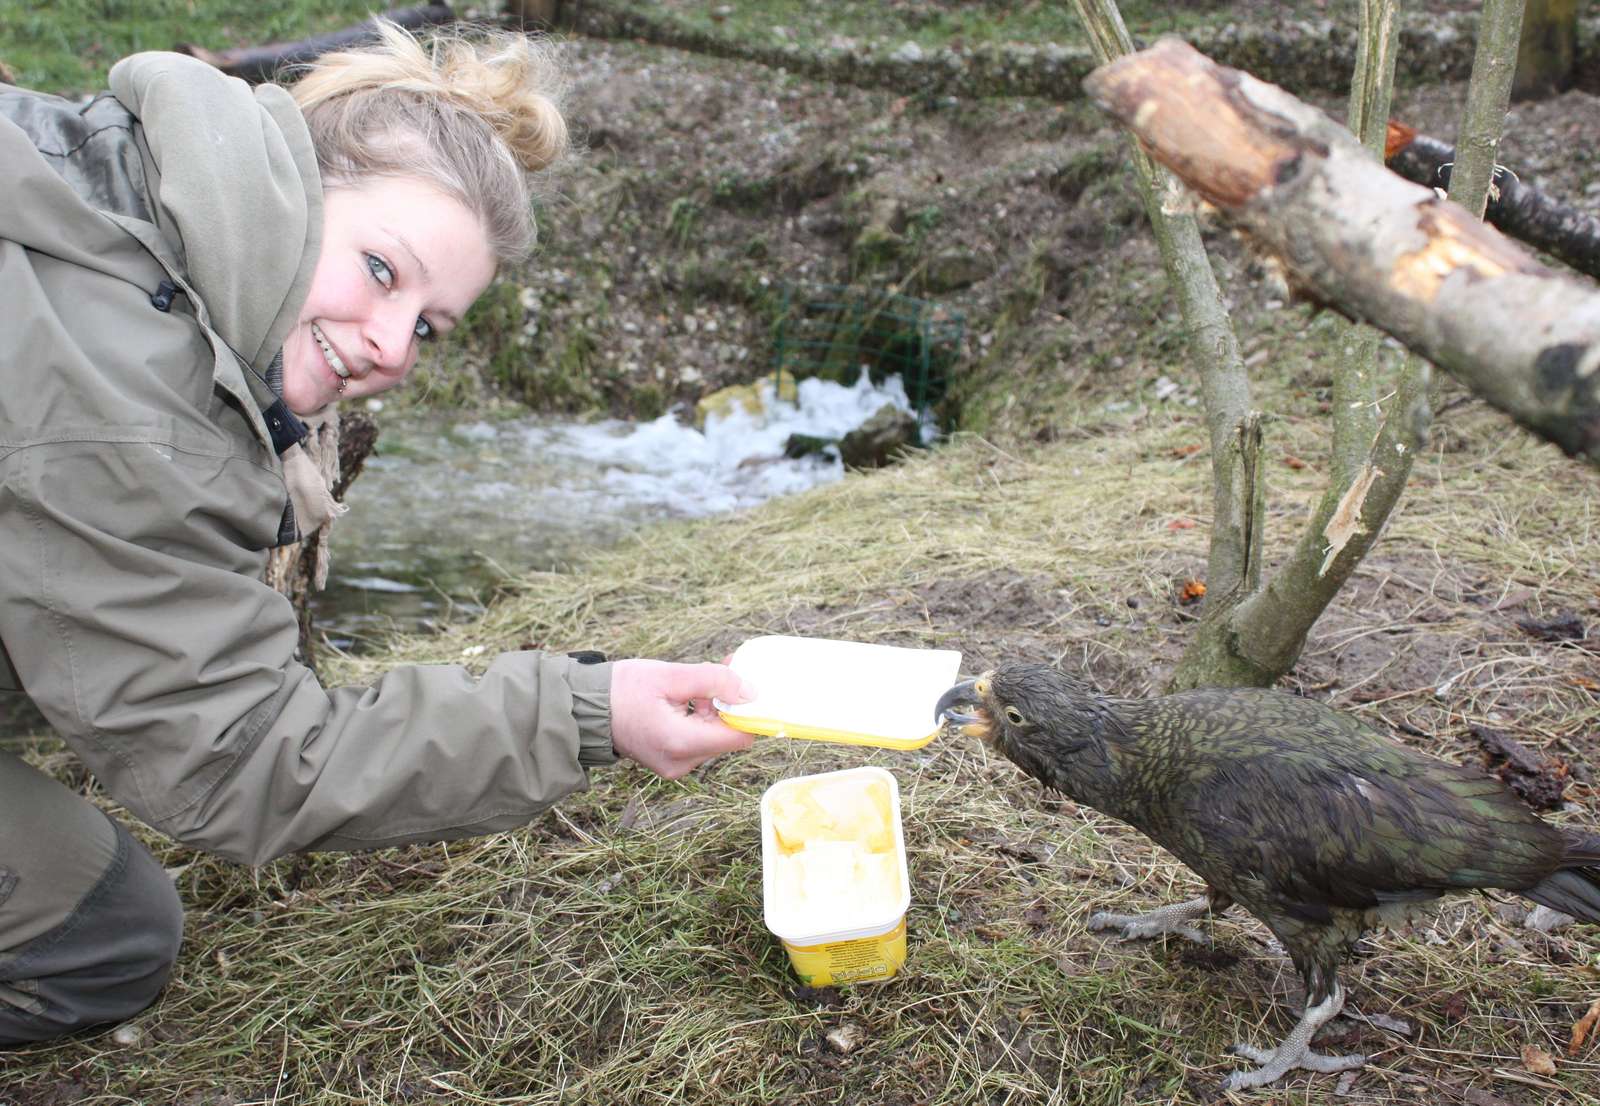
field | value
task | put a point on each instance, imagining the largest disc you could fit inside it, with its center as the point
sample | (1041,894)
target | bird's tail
(1575,889)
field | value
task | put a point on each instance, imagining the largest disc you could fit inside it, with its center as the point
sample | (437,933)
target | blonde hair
(472,114)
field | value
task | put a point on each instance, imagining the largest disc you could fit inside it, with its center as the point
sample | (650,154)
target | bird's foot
(1295,1051)
(1276,1063)
(1139,927)
(1176,918)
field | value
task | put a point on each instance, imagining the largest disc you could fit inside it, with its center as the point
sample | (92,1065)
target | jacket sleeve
(131,597)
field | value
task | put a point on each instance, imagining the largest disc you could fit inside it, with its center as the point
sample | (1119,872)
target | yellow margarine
(834,810)
(837,866)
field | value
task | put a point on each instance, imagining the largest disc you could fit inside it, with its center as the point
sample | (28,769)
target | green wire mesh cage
(834,331)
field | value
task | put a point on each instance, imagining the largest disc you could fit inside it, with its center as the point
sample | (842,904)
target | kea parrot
(1303,815)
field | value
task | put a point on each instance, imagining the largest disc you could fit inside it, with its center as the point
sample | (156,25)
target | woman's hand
(662,716)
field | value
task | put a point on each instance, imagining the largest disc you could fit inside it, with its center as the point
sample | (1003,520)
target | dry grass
(613,952)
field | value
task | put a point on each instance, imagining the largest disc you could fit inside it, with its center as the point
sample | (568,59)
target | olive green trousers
(89,922)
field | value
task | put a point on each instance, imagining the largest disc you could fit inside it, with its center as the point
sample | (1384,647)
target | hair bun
(510,80)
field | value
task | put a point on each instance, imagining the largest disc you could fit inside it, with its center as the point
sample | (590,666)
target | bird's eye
(1014,716)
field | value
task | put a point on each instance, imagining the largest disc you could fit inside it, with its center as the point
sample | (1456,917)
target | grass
(68,46)
(613,951)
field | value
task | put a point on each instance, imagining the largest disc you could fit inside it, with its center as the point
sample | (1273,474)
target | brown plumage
(1303,815)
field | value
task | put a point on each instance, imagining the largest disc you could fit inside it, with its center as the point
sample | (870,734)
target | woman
(192,270)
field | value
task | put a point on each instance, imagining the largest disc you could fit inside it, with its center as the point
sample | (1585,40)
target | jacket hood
(238,192)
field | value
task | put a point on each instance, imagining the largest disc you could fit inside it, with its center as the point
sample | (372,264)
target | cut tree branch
(261,63)
(1368,243)
(1520,210)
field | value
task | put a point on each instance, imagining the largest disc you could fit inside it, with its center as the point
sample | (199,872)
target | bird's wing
(1357,827)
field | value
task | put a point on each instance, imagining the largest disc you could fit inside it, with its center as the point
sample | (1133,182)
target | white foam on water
(531,493)
(737,461)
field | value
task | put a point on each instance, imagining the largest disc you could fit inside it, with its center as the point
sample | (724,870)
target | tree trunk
(1368,243)
(1548,54)
(1259,635)
(1488,94)
(1355,386)
(1234,563)
(1519,209)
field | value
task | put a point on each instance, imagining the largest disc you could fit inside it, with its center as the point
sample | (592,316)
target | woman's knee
(105,961)
(148,904)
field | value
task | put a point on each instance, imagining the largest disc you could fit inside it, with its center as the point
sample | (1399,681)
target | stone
(806,445)
(875,442)
(750,398)
(953,269)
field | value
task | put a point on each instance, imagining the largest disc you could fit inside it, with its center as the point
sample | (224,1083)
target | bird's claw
(1274,1067)
(1143,927)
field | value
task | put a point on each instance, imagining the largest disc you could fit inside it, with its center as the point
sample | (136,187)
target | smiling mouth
(335,362)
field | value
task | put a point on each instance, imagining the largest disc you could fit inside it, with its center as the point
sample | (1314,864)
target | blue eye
(380,269)
(423,329)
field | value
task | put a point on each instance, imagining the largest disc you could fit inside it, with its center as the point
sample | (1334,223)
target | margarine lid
(846,691)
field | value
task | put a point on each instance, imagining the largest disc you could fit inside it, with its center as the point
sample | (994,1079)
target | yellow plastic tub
(835,888)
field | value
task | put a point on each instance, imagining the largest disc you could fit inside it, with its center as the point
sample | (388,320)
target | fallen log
(1519,209)
(262,63)
(1368,243)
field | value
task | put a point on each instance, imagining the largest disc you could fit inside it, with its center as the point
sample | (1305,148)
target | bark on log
(293,571)
(1367,242)
(262,63)
(1520,210)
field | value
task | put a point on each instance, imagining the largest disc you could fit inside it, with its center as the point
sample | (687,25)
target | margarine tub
(834,884)
(852,692)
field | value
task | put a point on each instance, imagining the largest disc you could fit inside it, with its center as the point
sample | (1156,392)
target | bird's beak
(974,723)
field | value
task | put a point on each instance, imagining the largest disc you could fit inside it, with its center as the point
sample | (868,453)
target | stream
(447,507)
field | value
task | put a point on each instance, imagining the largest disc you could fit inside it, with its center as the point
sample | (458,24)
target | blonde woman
(194,273)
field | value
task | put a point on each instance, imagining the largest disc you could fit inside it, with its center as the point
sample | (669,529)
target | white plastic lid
(846,691)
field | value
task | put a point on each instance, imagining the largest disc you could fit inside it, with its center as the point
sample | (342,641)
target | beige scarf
(310,469)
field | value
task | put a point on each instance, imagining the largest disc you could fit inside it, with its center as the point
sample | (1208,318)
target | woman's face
(400,264)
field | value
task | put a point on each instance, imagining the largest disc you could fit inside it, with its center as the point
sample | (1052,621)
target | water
(446,508)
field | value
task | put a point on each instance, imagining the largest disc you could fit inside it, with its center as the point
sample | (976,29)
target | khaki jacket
(139,495)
